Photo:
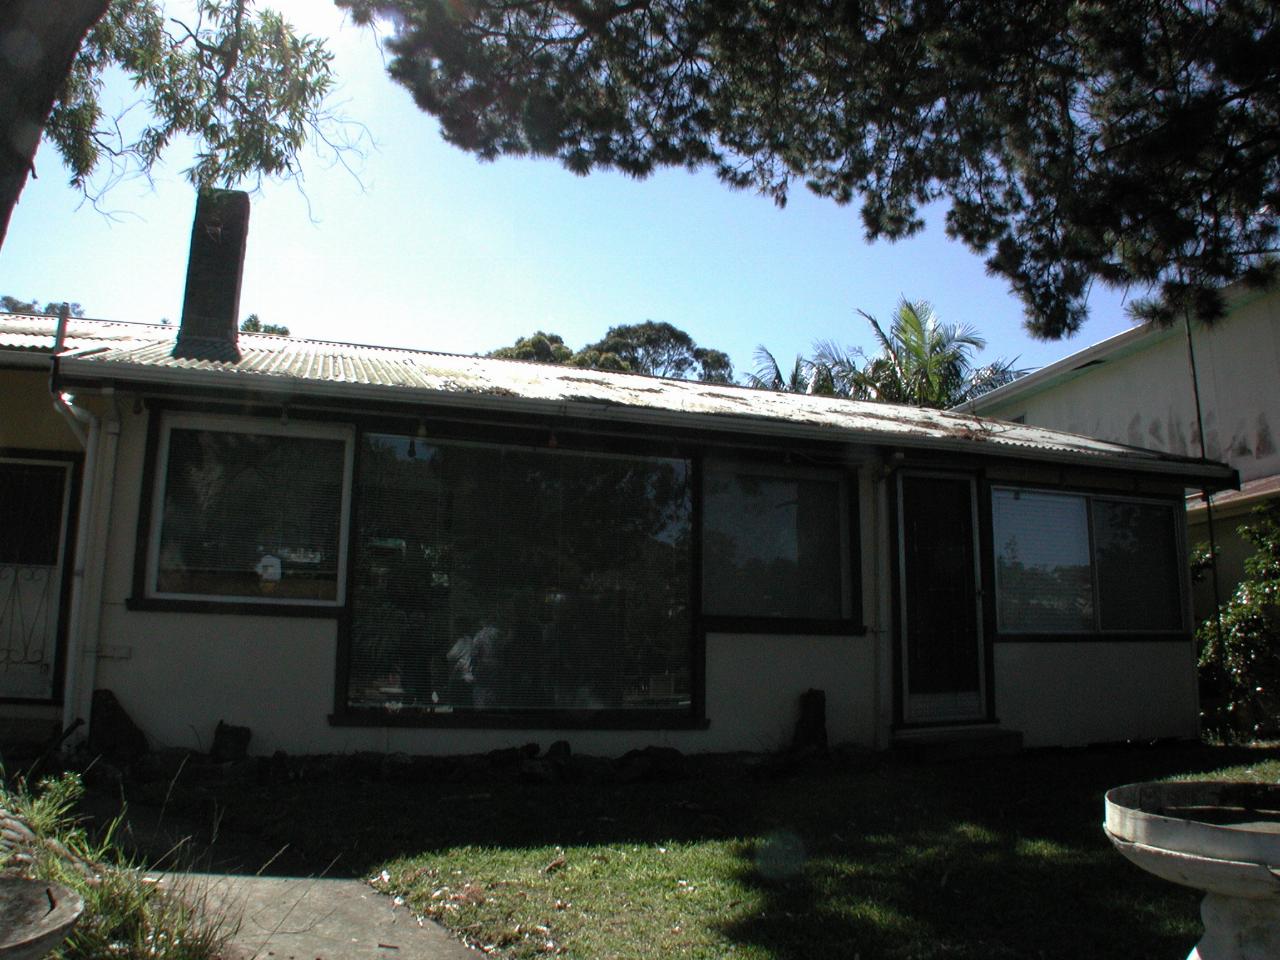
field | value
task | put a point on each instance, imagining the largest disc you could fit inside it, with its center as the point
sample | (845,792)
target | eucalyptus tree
(242,83)
(656,348)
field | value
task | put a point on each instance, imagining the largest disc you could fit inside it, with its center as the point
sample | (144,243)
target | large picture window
(1074,564)
(504,579)
(774,543)
(249,511)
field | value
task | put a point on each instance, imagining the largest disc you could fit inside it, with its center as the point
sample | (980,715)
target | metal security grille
(33,513)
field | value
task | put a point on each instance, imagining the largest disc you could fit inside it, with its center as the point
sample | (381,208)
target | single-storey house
(351,547)
(1141,387)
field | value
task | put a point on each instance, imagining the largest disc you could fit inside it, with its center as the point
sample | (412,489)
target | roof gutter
(1215,475)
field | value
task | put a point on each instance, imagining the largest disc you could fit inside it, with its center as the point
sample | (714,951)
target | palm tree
(768,374)
(922,362)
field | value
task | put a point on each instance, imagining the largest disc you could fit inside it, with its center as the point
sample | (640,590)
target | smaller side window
(249,510)
(775,543)
(1076,563)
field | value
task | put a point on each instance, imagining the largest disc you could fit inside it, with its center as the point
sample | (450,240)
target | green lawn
(992,858)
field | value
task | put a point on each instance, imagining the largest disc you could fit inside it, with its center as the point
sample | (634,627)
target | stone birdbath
(35,917)
(1219,837)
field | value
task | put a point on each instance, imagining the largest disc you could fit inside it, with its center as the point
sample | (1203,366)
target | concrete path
(288,918)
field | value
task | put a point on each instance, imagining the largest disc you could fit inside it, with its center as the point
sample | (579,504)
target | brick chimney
(211,307)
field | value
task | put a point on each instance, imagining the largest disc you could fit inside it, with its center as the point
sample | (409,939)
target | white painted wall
(27,417)
(1145,398)
(1069,694)
(178,674)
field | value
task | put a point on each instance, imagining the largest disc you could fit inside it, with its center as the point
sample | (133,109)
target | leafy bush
(1246,663)
(127,914)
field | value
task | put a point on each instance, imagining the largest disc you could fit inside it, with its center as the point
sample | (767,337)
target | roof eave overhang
(1209,474)
(23,359)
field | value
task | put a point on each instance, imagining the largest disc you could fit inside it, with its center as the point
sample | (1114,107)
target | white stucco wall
(1145,398)
(1069,694)
(27,417)
(178,674)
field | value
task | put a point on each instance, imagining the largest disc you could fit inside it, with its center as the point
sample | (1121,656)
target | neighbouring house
(351,547)
(1138,388)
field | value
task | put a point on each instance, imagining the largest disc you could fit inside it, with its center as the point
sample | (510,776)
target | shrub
(1247,660)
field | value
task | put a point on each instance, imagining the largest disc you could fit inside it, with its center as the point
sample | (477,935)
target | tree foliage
(242,83)
(52,308)
(253,324)
(539,347)
(1245,657)
(921,361)
(1135,142)
(658,349)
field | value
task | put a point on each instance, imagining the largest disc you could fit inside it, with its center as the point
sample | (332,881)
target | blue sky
(430,248)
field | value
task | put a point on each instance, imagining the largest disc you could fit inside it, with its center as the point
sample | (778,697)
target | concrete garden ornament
(1222,838)
(35,917)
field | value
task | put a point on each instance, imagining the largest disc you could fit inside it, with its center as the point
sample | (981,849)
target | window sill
(784,626)
(239,608)
(562,720)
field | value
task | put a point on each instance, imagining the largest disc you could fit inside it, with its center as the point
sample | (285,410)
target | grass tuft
(128,915)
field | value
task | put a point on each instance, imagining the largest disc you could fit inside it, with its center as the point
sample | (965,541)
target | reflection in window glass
(1138,576)
(508,579)
(1043,577)
(251,516)
(771,545)
(1051,577)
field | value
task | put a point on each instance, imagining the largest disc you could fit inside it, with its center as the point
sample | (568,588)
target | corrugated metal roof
(142,353)
(38,334)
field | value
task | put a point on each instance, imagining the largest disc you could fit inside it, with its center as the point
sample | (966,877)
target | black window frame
(441,424)
(850,550)
(694,717)
(1096,633)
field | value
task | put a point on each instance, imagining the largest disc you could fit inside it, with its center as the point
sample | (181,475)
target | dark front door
(941,652)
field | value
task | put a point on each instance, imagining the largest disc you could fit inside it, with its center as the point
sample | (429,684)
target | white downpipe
(77,700)
(96,490)
(84,520)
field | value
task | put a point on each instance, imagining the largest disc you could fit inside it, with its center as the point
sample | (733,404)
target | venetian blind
(253,516)
(511,579)
(1043,573)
